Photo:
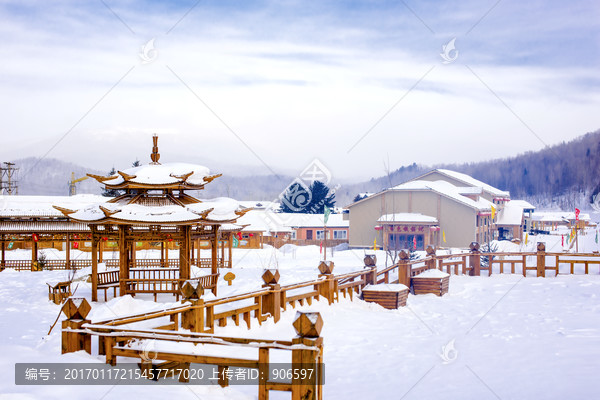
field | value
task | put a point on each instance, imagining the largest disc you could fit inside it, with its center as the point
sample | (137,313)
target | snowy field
(502,336)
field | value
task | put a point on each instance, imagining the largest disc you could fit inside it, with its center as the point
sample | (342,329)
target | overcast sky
(271,85)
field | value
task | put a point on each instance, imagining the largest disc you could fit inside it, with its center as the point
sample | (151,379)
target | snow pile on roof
(269,221)
(469,180)
(558,216)
(432,273)
(511,214)
(447,189)
(41,206)
(385,287)
(163,174)
(523,204)
(407,217)
(223,209)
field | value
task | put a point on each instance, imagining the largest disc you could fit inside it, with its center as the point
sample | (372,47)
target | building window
(309,234)
(293,235)
(319,235)
(340,234)
(401,242)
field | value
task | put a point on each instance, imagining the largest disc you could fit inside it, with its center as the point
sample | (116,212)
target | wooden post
(404,272)
(2,262)
(184,253)
(192,243)
(222,265)
(541,259)
(475,259)
(328,286)
(94,267)
(68,253)
(101,250)
(123,262)
(308,326)
(133,253)
(162,254)
(230,249)
(214,267)
(198,254)
(76,310)
(431,261)
(34,255)
(193,319)
(271,303)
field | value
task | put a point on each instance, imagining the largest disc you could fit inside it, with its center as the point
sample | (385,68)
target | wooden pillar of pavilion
(3,251)
(133,253)
(94,267)
(230,246)
(184,253)
(162,253)
(123,261)
(34,252)
(198,253)
(214,267)
(68,253)
(192,242)
(101,250)
(223,251)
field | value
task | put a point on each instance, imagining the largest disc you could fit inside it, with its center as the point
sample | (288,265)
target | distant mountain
(564,175)
(50,176)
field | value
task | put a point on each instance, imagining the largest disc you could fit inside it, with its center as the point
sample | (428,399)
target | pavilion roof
(176,176)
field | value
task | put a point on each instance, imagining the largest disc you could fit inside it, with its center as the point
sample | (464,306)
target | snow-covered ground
(502,336)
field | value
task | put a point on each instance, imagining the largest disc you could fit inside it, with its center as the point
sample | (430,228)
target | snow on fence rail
(116,341)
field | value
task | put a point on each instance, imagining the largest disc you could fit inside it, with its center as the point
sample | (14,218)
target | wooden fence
(116,340)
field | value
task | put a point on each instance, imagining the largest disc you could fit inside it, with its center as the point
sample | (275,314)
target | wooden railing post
(430,261)
(371,262)
(475,260)
(404,272)
(327,288)
(76,309)
(307,386)
(193,319)
(541,259)
(271,303)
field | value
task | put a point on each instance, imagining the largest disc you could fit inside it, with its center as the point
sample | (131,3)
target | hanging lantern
(35,237)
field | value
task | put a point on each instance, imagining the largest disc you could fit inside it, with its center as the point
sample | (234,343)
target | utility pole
(8,179)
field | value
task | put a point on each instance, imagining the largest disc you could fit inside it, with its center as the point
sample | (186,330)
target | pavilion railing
(26,265)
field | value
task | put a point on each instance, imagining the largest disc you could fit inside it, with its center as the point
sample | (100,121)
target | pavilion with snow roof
(156,208)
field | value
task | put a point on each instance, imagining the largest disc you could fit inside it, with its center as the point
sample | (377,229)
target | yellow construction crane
(72,182)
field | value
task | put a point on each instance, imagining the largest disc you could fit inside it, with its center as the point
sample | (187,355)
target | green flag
(326,214)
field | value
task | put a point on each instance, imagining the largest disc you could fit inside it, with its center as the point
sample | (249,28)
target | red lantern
(105,239)
(75,245)
(35,237)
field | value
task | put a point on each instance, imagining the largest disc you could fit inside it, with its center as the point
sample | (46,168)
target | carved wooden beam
(183,177)
(100,178)
(125,176)
(108,212)
(65,211)
(211,178)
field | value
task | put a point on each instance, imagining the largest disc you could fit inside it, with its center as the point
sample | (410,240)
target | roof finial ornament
(155,155)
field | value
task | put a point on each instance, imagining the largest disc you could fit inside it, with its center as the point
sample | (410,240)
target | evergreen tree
(359,197)
(136,163)
(111,192)
(320,198)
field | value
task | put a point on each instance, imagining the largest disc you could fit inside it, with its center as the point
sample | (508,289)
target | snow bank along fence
(28,265)
(115,339)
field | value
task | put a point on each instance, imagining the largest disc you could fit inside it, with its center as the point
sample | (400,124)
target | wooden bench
(108,279)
